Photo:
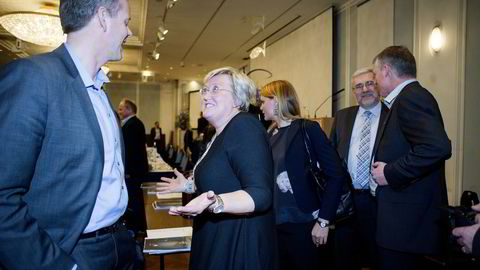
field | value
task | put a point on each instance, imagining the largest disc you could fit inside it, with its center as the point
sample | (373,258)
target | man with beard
(354,133)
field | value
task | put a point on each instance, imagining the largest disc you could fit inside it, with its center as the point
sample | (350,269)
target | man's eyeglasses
(359,86)
(213,91)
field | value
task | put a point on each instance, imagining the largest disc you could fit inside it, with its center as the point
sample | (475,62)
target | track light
(160,36)
(171,3)
(155,55)
(162,30)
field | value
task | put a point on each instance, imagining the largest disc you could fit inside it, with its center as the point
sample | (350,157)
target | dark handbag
(345,207)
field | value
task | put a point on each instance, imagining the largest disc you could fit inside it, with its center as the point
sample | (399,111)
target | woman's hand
(170,185)
(319,235)
(195,206)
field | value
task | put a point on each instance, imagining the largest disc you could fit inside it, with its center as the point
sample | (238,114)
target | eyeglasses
(213,91)
(359,86)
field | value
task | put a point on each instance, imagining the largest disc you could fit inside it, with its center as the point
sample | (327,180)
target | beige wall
(374,30)
(154,102)
(440,74)
(471,149)
(303,57)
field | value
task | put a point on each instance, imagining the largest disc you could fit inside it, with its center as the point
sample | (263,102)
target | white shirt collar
(375,110)
(100,77)
(126,119)
(393,95)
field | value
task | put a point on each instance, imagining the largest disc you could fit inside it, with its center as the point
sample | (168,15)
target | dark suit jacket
(153,133)
(296,160)
(476,244)
(52,163)
(136,162)
(414,144)
(342,130)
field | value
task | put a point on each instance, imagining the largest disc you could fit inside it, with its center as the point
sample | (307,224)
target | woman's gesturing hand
(170,185)
(195,206)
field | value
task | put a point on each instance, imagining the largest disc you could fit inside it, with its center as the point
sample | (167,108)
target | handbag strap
(307,142)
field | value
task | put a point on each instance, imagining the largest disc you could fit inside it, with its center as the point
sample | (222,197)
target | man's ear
(102,16)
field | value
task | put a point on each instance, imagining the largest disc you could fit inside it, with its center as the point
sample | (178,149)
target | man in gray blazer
(62,187)
(353,135)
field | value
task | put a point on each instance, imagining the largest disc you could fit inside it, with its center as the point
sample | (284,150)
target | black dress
(239,159)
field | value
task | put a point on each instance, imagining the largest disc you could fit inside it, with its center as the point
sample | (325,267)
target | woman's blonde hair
(288,107)
(244,89)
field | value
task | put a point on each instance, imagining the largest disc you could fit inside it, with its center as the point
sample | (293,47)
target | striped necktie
(363,155)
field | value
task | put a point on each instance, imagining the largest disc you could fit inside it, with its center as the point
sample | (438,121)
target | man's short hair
(361,71)
(130,105)
(400,58)
(75,14)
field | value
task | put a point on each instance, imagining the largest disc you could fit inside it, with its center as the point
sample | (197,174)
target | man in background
(135,139)
(136,163)
(156,136)
(202,124)
(354,133)
(62,188)
(409,165)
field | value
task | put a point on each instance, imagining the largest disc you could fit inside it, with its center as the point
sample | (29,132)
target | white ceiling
(203,34)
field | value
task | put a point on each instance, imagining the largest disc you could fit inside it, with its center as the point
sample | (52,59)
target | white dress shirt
(393,95)
(355,138)
(112,197)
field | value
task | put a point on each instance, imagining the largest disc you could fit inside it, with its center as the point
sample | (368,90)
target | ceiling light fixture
(160,36)
(258,50)
(41,27)
(258,24)
(171,3)
(155,55)
(162,29)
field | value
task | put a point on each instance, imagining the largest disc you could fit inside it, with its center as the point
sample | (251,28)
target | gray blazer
(52,161)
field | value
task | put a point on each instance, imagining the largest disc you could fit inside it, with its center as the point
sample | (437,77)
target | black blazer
(414,144)
(136,163)
(153,133)
(296,160)
(342,128)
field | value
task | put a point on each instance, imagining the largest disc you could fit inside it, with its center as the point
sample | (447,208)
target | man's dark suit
(365,217)
(52,163)
(342,129)
(160,143)
(414,144)
(136,162)
(136,167)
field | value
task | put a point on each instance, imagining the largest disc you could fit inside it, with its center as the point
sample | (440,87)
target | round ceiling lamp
(40,27)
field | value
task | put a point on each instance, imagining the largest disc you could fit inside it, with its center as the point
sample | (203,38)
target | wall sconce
(436,39)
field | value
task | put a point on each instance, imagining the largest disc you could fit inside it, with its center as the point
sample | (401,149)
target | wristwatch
(218,205)
(322,222)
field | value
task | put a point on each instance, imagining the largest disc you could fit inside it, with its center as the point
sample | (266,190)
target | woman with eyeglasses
(302,221)
(234,223)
